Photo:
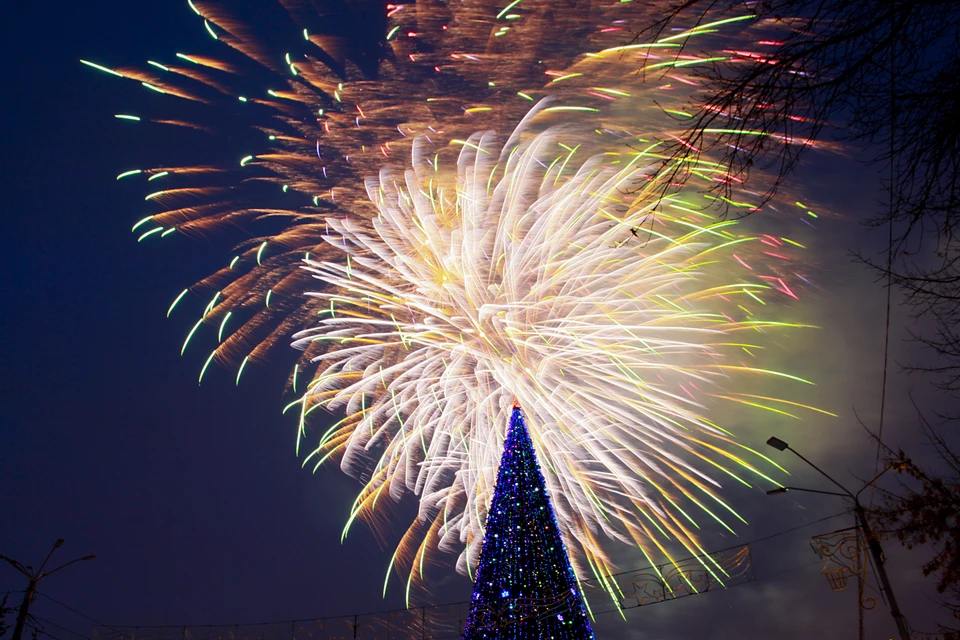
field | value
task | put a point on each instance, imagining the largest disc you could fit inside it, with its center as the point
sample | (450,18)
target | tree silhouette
(924,512)
(881,77)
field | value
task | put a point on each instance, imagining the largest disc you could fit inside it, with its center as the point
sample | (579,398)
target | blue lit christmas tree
(525,587)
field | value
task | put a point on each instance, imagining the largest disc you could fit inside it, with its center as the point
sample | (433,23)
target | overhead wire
(117,628)
(890,205)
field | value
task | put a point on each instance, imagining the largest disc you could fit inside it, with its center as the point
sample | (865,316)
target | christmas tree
(525,587)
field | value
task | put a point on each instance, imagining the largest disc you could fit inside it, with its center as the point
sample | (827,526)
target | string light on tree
(525,586)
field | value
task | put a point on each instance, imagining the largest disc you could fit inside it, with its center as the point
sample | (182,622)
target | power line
(798,527)
(58,626)
(69,608)
(346,616)
(116,628)
(890,186)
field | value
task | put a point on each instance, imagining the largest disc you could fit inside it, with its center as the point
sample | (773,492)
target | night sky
(192,497)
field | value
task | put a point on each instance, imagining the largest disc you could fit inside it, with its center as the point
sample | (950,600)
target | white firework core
(612,306)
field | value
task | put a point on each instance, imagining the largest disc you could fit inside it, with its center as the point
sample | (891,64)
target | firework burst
(332,103)
(580,270)
(611,305)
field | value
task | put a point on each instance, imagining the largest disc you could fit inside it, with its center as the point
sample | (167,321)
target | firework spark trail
(620,323)
(335,110)
(613,310)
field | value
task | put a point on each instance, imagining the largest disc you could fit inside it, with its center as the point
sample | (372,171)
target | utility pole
(34,578)
(873,543)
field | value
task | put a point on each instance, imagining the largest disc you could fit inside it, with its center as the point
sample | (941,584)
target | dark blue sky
(192,498)
(194,494)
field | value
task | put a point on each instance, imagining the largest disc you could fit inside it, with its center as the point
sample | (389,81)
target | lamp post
(872,542)
(35,577)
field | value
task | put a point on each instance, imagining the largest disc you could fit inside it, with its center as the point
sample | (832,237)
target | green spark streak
(168,232)
(602,576)
(757,453)
(324,439)
(393,558)
(507,8)
(565,161)
(306,35)
(612,91)
(327,457)
(210,304)
(245,160)
(687,63)
(409,583)
(469,144)
(354,510)
(190,335)
(655,524)
(210,30)
(175,302)
(132,172)
(101,68)
(739,132)
(195,10)
(766,371)
(149,233)
(523,95)
(296,369)
(187,58)
(684,63)
(721,22)
(571,109)
(234,261)
(157,65)
(152,87)
(141,223)
(123,116)
(287,408)
(156,175)
(205,365)
(260,250)
(222,325)
(242,365)
(761,406)
(567,77)
(269,294)
(392,32)
(807,210)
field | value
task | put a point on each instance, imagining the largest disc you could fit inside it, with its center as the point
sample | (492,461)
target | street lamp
(35,577)
(872,542)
